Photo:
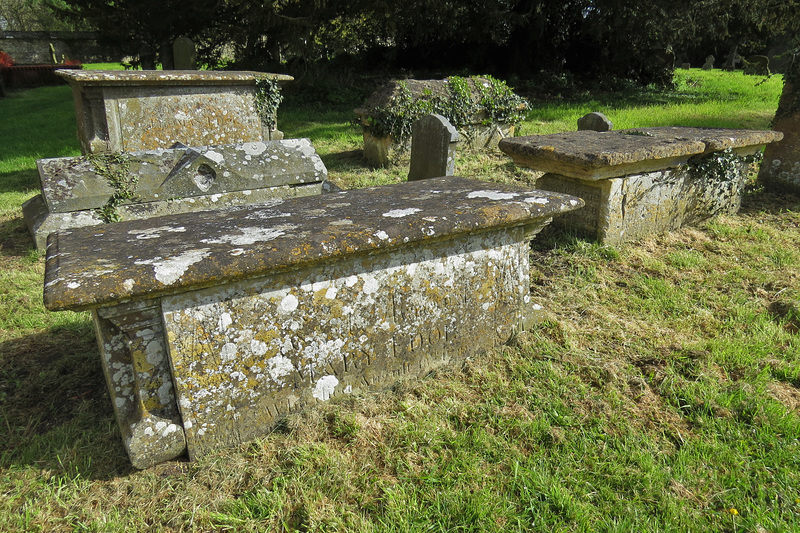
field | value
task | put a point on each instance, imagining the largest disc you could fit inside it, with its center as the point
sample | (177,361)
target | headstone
(184,54)
(757,66)
(709,64)
(178,180)
(780,168)
(596,122)
(433,148)
(686,66)
(732,59)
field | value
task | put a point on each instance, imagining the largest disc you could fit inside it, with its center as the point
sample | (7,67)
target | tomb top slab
(169,77)
(101,265)
(593,155)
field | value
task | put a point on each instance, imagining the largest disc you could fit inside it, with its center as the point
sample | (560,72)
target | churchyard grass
(661,394)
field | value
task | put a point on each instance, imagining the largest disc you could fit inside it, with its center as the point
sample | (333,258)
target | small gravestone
(732,61)
(184,54)
(779,169)
(709,64)
(595,122)
(433,148)
(686,66)
(757,66)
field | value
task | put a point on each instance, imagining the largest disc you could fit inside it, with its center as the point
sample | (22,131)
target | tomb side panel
(589,219)
(245,354)
(151,117)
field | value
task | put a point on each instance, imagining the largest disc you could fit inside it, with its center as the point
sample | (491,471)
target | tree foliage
(589,37)
(33,15)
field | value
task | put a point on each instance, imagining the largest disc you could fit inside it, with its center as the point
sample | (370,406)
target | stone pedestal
(642,181)
(128,111)
(213,325)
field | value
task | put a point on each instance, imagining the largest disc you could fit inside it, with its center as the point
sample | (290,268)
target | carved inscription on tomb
(247,353)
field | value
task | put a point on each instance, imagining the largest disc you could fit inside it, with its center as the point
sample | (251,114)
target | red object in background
(5,60)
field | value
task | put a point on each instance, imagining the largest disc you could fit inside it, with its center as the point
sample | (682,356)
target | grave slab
(212,326)
(128,111)
(170,181)
(642,181)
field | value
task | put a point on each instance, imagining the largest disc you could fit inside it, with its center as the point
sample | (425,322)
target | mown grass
(662,394)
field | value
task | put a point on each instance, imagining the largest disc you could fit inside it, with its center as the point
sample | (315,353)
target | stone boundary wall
(33,47)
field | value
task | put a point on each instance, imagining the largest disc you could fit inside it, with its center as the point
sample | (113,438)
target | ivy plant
(268,98)
(115,168)
(464,100)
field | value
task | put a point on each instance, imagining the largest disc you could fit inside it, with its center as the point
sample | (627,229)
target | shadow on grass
(19,181)
(15,241)
(763,201)
(344,161)
(56,412)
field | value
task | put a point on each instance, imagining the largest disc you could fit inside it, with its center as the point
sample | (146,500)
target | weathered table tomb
(129,111)
(393,102)
(642,181)
(83,191)
(213,325)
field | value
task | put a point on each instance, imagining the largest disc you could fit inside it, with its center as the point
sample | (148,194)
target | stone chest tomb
(212,325)
(483,110)
(642,181)
(128,111)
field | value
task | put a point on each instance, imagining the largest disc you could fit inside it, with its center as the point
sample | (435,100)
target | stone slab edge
(165,77)
(89,267)
(595,155)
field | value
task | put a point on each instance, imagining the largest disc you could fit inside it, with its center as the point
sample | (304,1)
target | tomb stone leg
(139,379)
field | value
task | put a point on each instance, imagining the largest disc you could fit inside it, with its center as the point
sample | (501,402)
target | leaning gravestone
(433,148)
(184,54)
(82,191)
(596,122)
(780,169)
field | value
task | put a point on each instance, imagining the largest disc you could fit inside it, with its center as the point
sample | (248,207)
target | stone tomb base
(643,181)
(212,327)
(633,207)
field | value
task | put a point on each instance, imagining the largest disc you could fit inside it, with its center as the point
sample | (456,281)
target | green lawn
(663,394)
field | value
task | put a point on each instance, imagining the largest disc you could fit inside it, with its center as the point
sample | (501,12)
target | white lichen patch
(252,235)
(400,213)
(254,148)
(288,304)
(382,235)
(537,200)
(325,387)
(155,233)
(168,271)
(216,157)
(493,195)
